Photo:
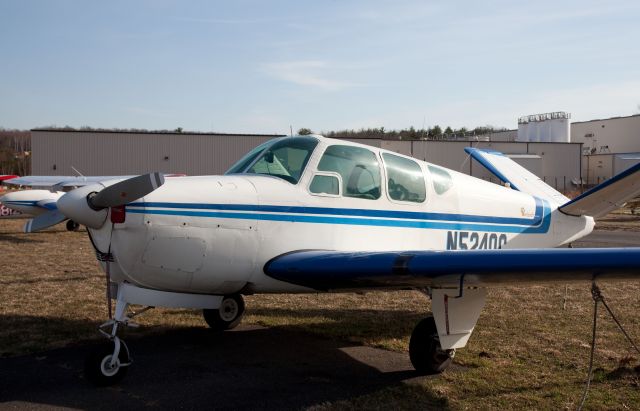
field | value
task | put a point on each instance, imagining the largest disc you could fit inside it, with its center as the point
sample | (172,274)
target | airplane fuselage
(32,202)
(214,234)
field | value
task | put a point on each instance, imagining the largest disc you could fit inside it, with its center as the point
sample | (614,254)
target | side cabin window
(358,168)
(405,179)
(285,158)
(442,180)
(325,184)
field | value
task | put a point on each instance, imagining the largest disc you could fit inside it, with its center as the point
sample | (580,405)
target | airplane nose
(88,205)
(75,206)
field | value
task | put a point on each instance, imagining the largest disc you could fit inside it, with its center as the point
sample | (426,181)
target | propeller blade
(44,220)
(126,191)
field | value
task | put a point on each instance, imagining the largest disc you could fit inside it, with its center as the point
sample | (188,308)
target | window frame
(424,180)
(375,156)
(440,171)
(306,166)
(326,174)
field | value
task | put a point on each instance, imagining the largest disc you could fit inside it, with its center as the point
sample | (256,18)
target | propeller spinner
(88,205)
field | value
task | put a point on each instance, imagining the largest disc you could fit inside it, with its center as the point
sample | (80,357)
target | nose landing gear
(104,367)
(108,364)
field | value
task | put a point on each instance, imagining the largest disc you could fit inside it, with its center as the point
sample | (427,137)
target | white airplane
(308,214)
(42,204)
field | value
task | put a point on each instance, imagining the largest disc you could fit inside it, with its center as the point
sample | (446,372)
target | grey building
(610,146)
(59,152)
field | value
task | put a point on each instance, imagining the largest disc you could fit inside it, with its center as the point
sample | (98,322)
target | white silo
(546,127)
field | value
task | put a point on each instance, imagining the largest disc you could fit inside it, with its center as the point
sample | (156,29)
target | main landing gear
(456,312)
(229,314)
(425,351)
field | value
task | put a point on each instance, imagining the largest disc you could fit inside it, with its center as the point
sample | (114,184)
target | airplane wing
(518,177)
(606,197)
(333,270)
(45,220)
(60,181)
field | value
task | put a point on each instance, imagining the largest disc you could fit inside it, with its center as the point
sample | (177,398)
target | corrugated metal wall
(108,153)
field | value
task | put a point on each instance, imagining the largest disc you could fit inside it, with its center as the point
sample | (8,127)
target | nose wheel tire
(99,369)
(425,352)
(229,314)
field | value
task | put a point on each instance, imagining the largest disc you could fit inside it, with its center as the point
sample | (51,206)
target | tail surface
(606,197)
(518,177)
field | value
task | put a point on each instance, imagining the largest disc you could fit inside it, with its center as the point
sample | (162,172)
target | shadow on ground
(248,368)
(18,238)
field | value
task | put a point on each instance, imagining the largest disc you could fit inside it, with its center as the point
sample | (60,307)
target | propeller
(125,191)
(88,205)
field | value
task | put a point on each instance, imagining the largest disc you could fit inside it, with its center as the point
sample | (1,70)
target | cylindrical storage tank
(545,128)
(534,131)
(523,130)
(559,130)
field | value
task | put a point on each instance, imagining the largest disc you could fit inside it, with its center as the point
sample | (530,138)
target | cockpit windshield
(285,158)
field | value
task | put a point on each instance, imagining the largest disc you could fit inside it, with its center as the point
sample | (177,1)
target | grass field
(526,351)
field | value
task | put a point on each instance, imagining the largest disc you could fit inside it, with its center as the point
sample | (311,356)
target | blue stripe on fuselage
(386,218)
(354,212)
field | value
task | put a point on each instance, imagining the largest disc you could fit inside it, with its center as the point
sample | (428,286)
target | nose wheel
(108,363)
(103,367)
(228,316)
(425,352)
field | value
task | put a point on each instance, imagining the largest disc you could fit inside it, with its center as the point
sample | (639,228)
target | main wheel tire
(72,225)
(228,316)
(97,367)
(425,352)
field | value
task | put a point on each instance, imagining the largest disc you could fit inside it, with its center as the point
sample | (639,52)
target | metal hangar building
(62,152)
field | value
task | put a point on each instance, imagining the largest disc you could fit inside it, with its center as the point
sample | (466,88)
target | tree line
(15,152)
(411,133)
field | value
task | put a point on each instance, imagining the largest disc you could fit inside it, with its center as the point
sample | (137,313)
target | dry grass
(526,352)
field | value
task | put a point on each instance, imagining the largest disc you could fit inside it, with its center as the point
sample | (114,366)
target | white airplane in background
(42,204)
(308,214)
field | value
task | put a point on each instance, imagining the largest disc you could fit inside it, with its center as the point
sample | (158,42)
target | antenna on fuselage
(468,156)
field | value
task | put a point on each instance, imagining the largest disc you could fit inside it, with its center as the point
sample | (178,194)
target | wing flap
(606,197)
(333,270)
(518,177)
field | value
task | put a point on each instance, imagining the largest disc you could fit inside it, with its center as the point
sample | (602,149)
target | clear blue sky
(260,66)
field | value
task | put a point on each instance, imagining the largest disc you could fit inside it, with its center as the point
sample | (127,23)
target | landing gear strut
(229,314)
(425,352)
(108,364)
